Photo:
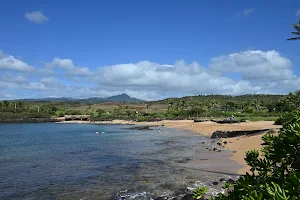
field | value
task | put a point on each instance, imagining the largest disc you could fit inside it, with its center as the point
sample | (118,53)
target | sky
(147,49)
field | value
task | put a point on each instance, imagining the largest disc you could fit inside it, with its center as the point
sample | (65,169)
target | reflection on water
(70,161)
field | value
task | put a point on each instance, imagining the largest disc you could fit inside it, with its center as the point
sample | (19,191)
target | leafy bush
(284,119)
(100,112)
(249,109)
(60,114)
(199,192)
(277,174)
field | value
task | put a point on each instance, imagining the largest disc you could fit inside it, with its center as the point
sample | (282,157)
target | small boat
(97,132)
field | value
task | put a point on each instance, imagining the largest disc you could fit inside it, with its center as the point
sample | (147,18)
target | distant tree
(100,112)
(170,105)
(181,104)
(54,109)
(214,104)
(256,104)
(147,107)
(20,104)
(230,105)
(294,98)
(5,104)
(248,109)
(296,32)
(290,102)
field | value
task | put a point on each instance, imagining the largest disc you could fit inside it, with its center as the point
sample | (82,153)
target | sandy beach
(238,145)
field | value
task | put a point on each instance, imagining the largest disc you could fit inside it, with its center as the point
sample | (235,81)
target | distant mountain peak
(121,97)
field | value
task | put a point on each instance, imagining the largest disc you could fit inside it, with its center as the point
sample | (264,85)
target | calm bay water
(70,161)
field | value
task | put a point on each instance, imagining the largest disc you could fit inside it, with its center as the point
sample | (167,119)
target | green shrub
(284,119)
(199,192)
(60,114)
(277,174)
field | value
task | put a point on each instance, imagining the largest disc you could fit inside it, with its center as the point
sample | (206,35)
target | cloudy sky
(147,49)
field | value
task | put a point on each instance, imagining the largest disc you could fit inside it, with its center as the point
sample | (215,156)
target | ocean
(71,161)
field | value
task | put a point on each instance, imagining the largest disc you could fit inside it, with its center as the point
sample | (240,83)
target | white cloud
(68,66)
(181,78)
(7,96)
(52,82)
(36,17)
(34,86)
(269,65)
(7,85)
(13,78)
(8,62)
(258,72)
(297,13)
(248,11)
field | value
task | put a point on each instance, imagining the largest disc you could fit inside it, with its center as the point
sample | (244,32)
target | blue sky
(148,49)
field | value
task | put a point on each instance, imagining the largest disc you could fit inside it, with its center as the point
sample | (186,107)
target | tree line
(171,108)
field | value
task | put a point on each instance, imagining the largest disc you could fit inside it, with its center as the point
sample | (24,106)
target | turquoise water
(70,161)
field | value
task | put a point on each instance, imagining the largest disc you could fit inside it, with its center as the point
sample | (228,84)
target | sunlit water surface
(70,161)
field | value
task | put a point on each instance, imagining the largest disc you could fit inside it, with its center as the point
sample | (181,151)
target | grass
(257,118)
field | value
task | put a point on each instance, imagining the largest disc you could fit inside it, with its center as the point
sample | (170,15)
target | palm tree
(297,32)
(256,104)
(147,107)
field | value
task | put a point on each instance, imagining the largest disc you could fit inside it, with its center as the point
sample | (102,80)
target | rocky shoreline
(182,194)
(27,120)
(230,134)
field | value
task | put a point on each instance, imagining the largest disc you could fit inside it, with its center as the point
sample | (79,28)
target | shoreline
(237,145)
(27,120)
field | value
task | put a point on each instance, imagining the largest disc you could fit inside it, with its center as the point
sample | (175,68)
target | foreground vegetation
(274,176)
(248,107)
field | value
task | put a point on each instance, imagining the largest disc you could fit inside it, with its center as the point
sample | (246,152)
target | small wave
(131,195)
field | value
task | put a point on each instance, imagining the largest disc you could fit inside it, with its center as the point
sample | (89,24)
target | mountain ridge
(93,100)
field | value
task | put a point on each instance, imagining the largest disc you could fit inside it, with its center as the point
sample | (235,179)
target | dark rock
(222,179)
(226,121)
(215,183)
(219,150)
(160,198)
(229,134)
(181,191)
(184,160)
(200,120)
(188,197)
(215,149)
(231,181)
(140,128)
(225,142)
(219,143)
(203,142)
(203,159)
